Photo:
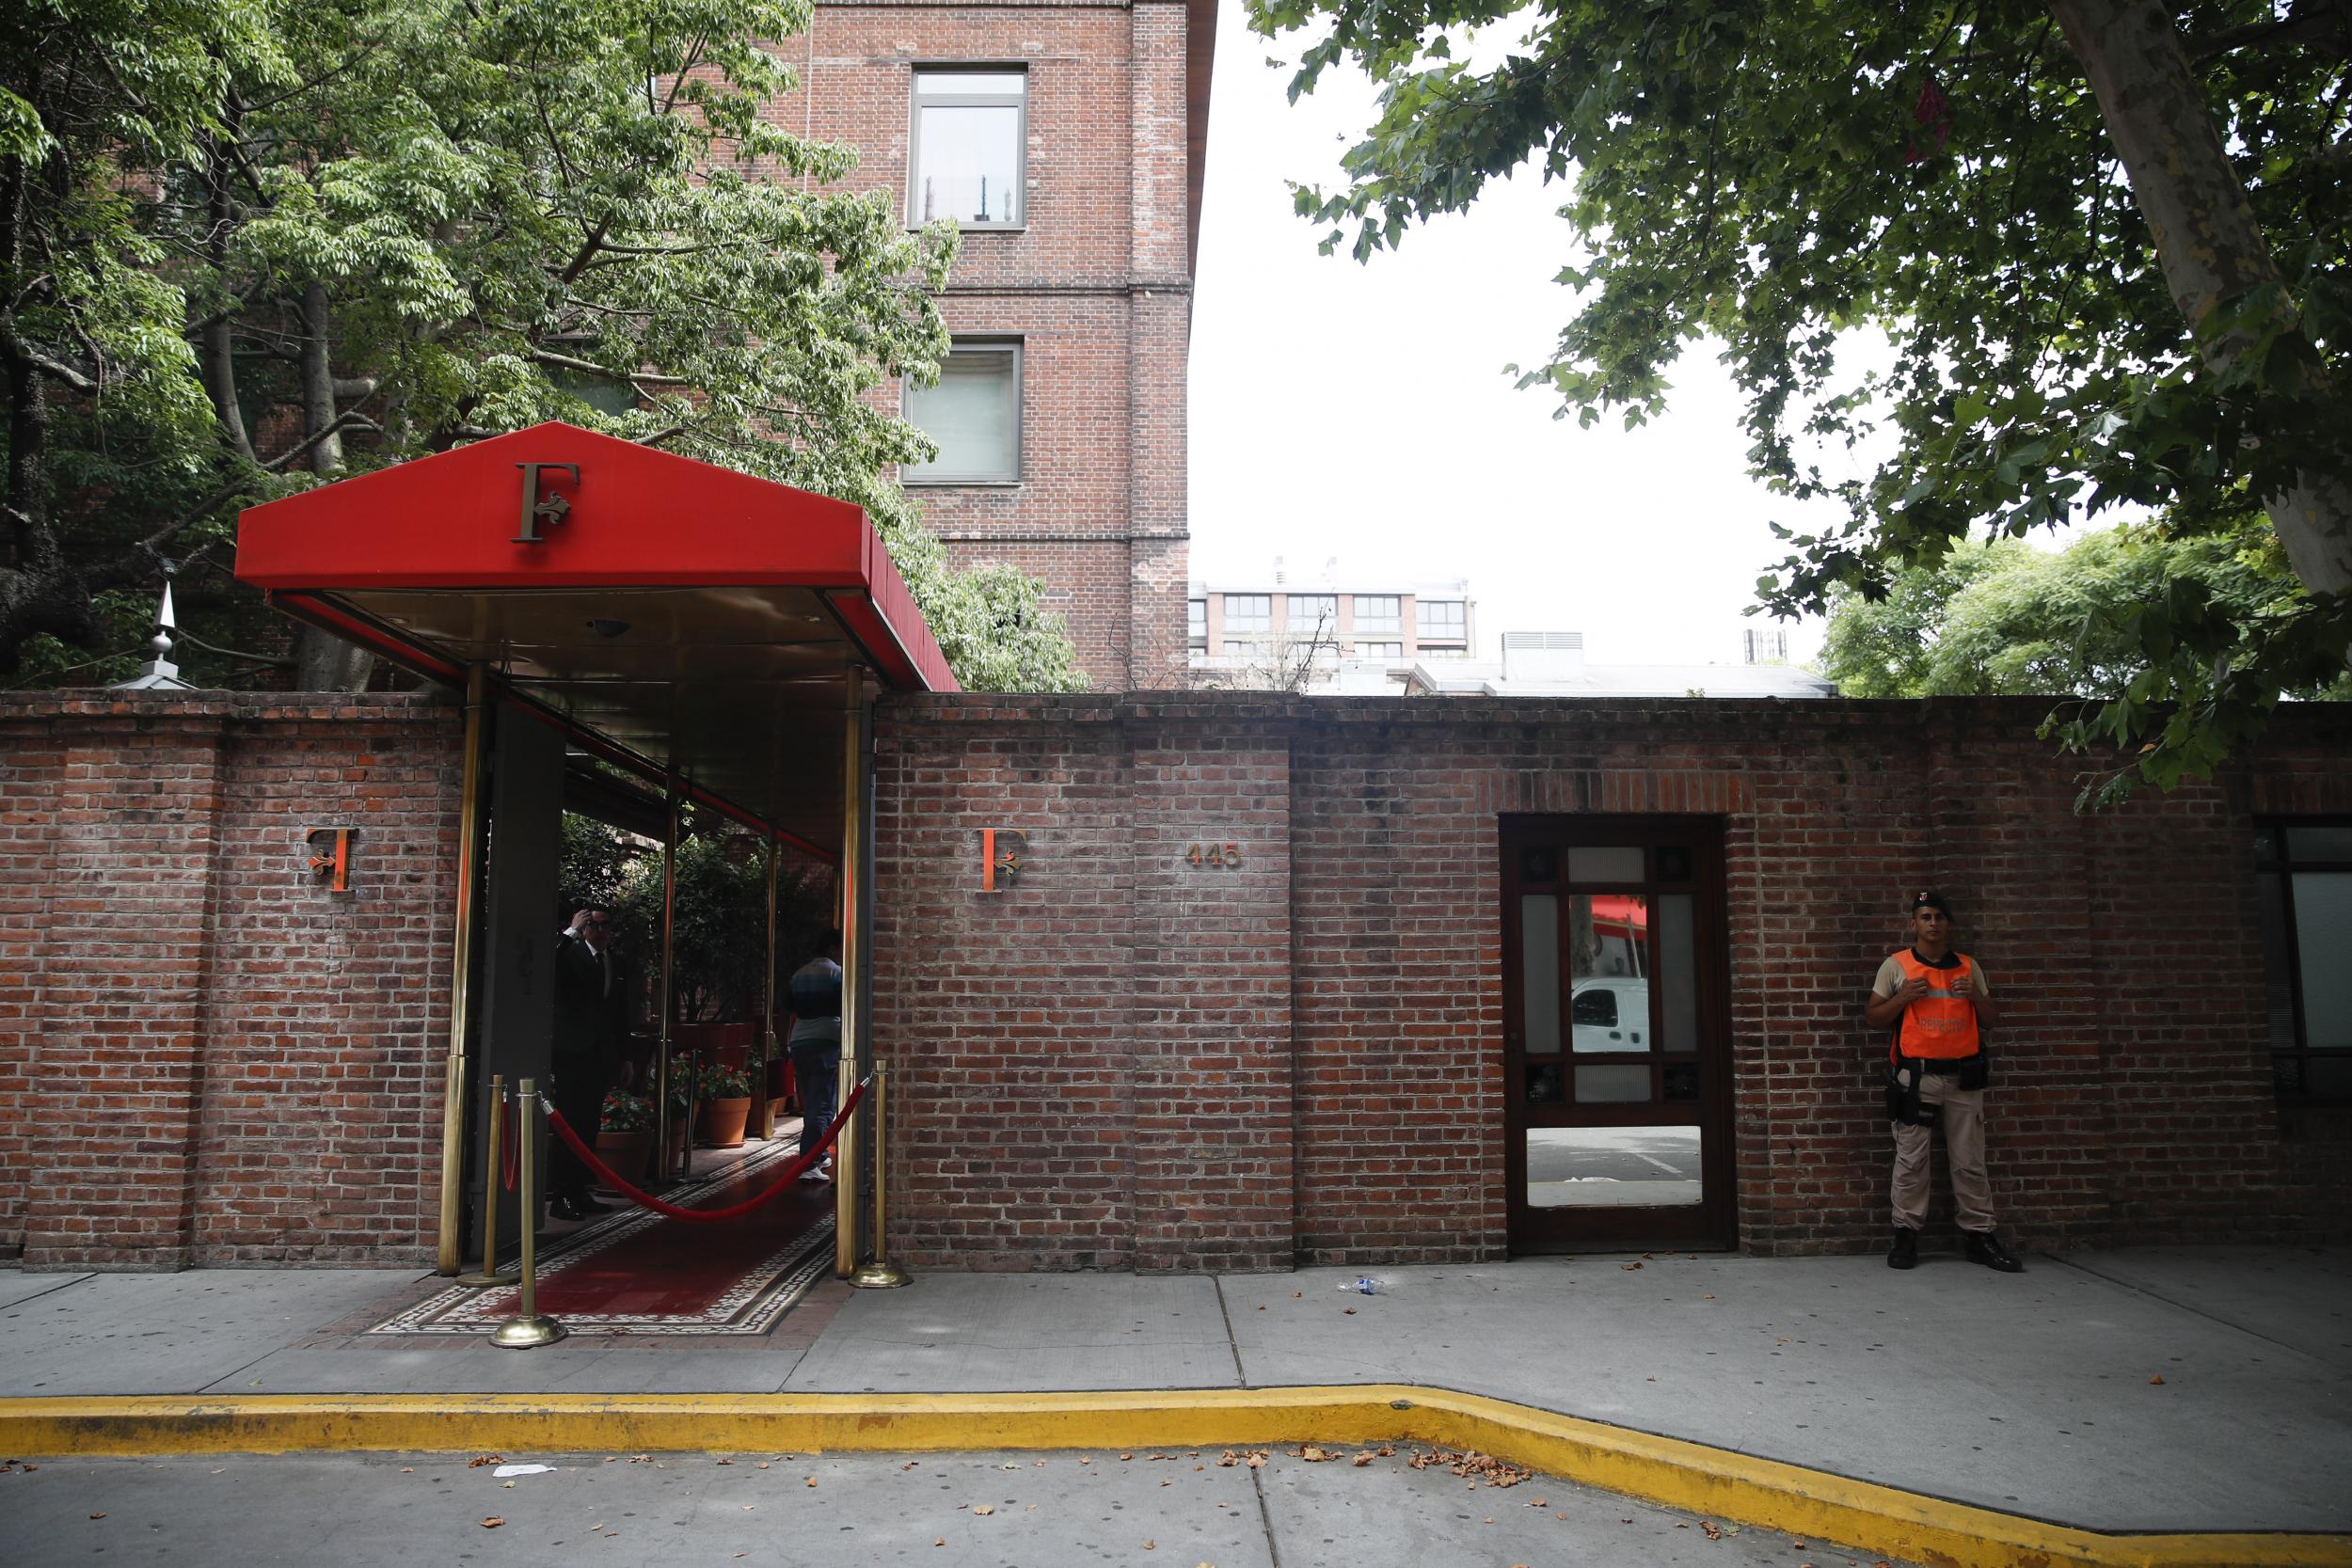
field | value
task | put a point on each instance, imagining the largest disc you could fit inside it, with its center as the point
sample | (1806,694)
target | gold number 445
(1213,857)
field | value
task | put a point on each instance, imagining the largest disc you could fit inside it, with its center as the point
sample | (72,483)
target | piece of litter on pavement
(506,1470)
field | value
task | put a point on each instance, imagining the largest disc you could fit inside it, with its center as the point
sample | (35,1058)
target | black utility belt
(1945,1067)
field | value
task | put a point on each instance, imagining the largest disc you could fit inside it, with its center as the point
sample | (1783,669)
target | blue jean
(817,1079)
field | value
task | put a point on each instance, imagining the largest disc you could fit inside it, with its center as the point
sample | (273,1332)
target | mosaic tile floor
(636,1271)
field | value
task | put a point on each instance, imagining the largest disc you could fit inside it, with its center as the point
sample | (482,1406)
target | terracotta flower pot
(626,1153)
(720,1123)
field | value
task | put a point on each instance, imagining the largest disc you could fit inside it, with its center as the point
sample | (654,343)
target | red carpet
(633,1272)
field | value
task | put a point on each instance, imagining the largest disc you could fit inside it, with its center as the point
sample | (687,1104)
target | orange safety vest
(1942,1024)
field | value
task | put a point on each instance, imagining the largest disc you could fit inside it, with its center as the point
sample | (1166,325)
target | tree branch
(589,367)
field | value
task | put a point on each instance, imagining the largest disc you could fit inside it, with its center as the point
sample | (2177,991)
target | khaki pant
(1964,1145)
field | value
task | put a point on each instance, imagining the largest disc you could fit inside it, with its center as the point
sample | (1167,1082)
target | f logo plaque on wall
(1000,858)
(329,853)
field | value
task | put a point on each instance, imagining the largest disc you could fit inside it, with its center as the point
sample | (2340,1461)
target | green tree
(2006,618)
(253,246)
(1780,173)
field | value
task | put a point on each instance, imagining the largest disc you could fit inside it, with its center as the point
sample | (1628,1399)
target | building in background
(1068,141)
(1552,664)
(1324,635)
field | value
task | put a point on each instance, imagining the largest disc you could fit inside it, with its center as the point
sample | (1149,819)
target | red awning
(700,621)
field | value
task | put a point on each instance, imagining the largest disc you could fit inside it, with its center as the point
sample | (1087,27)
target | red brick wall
(1097,286)
(1300,1059)
(205,1055)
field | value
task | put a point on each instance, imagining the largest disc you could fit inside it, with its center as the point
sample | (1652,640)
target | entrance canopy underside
(695,625)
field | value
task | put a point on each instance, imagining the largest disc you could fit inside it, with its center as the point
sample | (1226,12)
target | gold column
(661,1051)
(469,809)
(529,1326)
(882,1273)
(846,1164)
(767,1003)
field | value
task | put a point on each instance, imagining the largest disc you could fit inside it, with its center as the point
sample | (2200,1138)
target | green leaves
(512,210)
(1781,176)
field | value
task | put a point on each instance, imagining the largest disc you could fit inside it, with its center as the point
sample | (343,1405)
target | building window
(1308,613)
(1249,612)
(973,414)
(2303,877)
(1440,619)
(971,128)
(1380,612)
(1197,621)
(1239,647)
(1379,650)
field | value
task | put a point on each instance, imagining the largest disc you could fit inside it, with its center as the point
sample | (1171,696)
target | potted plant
(625,1135)
(726,1102)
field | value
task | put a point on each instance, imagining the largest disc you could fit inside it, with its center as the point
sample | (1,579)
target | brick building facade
(1135,1057)
(206,1055)
(1128,1060)
(1080,294)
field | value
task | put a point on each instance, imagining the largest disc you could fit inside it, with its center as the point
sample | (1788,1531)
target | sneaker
(1986,1248)
(822,1171)
(1905,1253)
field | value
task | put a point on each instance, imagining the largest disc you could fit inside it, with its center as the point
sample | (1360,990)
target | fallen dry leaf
(983,1508)
(493,1521)
(481,1459)
(2158,1378)
(1122,1459)
(1297,1295)
(1314,1455)
(812,1480)
(722,1462)
(1151,1546)
(1262,1307)
(763,1464)
(941,1541)
(98,1515)
(1629,1267)
(1349,1310)
(404,1469)
(908,1465)
(1362,1460)
(1713,1531)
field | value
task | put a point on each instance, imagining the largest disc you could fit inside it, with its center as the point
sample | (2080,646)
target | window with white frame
(1197,621)
(1308,613)
(973,414)
(971,133)
(1380,612)
(2303,882)
(1440,619)
(1251,613)
(1379,650)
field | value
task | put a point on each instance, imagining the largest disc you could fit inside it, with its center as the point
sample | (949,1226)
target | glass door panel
(1613,1168)
(1618,1122)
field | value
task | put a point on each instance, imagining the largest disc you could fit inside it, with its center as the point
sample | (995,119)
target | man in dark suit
(591,1031)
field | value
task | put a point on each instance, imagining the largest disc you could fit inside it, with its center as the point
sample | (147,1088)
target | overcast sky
(1362,412)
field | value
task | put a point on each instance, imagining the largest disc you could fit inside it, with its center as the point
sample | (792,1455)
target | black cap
(1930,899)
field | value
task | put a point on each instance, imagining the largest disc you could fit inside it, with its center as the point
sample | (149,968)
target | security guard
(1936,1003)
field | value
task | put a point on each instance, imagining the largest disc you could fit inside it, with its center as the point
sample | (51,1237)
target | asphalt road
(1165,1509)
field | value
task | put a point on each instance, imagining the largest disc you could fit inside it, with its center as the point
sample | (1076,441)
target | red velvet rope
(702,1216)
(510,1145)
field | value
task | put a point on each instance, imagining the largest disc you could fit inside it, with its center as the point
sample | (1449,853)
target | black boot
(1905,1253)
(1986,1248)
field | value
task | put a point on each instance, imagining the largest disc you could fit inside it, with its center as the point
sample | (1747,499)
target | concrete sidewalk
(2035,1395)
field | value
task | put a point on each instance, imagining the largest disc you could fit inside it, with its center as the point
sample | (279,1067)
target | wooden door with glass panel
(1616,1037)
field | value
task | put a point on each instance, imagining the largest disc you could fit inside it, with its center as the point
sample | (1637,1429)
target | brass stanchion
(527,1327)
(882,1273)
(489,1272)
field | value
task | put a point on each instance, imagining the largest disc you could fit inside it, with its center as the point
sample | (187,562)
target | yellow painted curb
(1715,1483)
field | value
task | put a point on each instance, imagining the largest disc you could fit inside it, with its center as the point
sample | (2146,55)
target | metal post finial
(159,673)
